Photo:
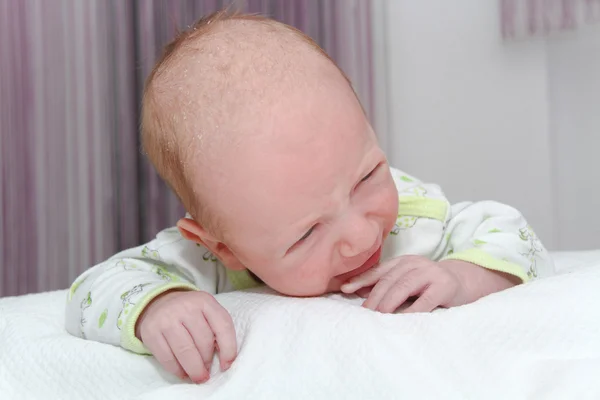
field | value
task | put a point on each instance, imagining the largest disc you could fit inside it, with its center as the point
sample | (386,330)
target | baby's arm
(496,237)
(137,287)
(492,235)
(450,255)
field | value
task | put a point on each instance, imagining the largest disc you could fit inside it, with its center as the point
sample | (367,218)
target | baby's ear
(192,231)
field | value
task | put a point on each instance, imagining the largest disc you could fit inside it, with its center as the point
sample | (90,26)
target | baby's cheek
(312,278)
(389,206)
(305,280)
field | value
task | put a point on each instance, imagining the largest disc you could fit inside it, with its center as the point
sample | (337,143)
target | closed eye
(307,234)
(370,174)
(367,176)
(302,239)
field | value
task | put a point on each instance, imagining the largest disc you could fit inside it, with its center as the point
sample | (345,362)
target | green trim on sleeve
(483,259)
(74,287)
(241,280)
(128,339)
(415,206)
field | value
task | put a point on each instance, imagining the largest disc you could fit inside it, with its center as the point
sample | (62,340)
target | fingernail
(346,288)
(204,379)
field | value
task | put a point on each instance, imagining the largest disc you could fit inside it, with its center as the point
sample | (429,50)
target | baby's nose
(360,235)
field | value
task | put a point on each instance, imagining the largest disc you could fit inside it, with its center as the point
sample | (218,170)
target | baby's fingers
(203,337)
(411,284)
(398,282)
(368,278)
(429,300)
(162,352)
(222,326)
(187,354)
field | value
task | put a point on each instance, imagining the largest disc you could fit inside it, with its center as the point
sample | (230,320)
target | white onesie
(105,302)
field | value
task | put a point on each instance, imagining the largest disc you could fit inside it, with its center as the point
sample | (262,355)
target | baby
(263,139)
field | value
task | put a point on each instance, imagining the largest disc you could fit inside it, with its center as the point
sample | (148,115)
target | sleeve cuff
(128,339)
(422,207)
(483,259)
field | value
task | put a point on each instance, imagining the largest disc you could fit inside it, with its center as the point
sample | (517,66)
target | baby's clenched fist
(181,328)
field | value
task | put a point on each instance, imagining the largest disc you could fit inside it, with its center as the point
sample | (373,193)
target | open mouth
(367,265)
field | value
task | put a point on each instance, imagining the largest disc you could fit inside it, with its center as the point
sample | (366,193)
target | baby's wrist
(477,281)
(154,302)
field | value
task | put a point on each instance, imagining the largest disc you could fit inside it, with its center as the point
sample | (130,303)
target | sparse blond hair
(162,136)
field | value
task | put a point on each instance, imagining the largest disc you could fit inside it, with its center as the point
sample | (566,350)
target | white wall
(574,81)
(471,112)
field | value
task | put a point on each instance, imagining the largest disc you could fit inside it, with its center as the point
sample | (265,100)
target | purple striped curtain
(522,18)
(68,142)
(74,186)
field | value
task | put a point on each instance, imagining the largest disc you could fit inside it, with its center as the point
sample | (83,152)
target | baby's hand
(180,329)
(447,283)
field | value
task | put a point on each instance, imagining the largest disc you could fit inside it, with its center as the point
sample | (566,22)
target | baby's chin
(332,287)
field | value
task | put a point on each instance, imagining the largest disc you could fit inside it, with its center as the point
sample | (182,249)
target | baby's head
(263,139)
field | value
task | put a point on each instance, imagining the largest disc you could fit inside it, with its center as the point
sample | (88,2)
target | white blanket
(537,341)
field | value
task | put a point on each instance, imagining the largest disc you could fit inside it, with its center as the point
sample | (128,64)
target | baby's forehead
(234,49)
(230,74)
